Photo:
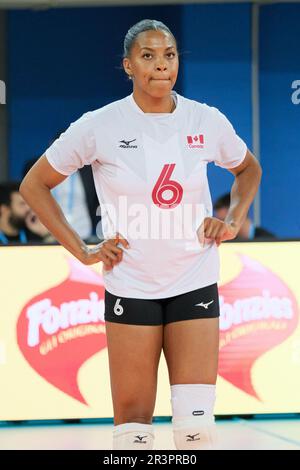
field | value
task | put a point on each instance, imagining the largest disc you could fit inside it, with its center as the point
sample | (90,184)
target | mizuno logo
(126,144)
(204,305)
(192,437)
(140,439)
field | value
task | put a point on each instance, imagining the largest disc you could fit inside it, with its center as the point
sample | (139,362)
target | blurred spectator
(17,221)
(248,230)
(77,197)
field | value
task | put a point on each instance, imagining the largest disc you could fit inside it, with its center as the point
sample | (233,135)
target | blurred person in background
(18,223)
(248,230)
(78,199)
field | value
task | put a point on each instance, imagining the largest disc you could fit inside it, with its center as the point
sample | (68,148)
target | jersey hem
(145,296)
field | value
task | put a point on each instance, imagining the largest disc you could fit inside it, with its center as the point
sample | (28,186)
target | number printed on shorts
(118,309)
(164,183)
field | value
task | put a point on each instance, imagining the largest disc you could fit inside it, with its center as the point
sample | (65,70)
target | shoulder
(92,118)
(205,110)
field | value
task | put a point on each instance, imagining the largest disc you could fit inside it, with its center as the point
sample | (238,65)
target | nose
(161,65)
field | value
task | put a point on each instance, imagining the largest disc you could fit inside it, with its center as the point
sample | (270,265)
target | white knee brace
(133,436)
(193,419)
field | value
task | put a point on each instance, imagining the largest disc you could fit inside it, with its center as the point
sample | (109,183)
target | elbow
(259,172)
(26,188)
(31,188)
(23,188)
(255,170)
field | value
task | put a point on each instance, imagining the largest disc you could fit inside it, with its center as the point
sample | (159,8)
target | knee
(132,411)
(193,418)
(195,434)
(133,436)
(126,417)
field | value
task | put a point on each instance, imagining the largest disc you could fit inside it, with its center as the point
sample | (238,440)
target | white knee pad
(193,420)
(133,436)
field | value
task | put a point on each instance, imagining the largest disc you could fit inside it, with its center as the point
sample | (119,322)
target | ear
(127,66)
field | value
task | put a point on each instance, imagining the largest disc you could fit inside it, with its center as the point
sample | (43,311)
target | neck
(7,229)
(149,104)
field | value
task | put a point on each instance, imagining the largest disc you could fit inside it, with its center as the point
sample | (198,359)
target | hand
(213,229)
(107,251)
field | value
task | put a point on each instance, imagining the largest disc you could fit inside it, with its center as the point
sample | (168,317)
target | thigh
(134,353)
(191,336)
(191,350)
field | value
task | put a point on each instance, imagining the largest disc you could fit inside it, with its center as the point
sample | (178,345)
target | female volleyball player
(149,153)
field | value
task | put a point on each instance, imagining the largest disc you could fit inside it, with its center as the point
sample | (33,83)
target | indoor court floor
(234,434)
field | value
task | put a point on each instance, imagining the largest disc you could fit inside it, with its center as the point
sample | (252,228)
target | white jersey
(150,177)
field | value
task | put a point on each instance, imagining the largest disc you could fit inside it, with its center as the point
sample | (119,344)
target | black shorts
(199,303)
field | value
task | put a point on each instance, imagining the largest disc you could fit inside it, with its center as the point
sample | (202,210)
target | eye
(147,55)
(171,54)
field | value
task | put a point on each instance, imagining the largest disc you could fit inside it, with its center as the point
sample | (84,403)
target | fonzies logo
(258,312)
(60,329)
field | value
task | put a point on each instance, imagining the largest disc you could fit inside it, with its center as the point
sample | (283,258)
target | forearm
(243,192)
(40,199)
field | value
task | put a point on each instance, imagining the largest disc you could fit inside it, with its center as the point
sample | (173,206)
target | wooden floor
(233,434)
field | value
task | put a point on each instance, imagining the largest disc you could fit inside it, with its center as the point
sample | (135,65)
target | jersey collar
(175,96)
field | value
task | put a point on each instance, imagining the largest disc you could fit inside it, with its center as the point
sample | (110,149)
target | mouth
(161,79)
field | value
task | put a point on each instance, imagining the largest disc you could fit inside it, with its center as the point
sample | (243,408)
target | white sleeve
(75,147)
(231,149)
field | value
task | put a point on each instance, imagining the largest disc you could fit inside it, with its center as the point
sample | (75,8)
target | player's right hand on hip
(107,251)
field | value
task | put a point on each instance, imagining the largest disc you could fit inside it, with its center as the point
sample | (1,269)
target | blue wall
(217,69)
(280,118)
(64,62)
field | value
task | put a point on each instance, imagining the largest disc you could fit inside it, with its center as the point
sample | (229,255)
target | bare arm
(36,190)
(247,179)
(245,186)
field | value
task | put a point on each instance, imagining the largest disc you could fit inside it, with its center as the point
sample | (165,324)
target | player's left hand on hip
(215,230)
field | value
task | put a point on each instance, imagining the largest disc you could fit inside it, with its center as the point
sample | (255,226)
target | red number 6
(165,184)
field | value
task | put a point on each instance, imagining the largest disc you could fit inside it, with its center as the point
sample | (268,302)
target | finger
(115,240)
(218,241)
(108,253)
(200,234)
(204,227)
(119,258)
(107,263)
(122,240)
(216,231)
(118,252)
(215,228)
(105,260)
(100,258)
(115,249)
(208,229)
(111,248)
